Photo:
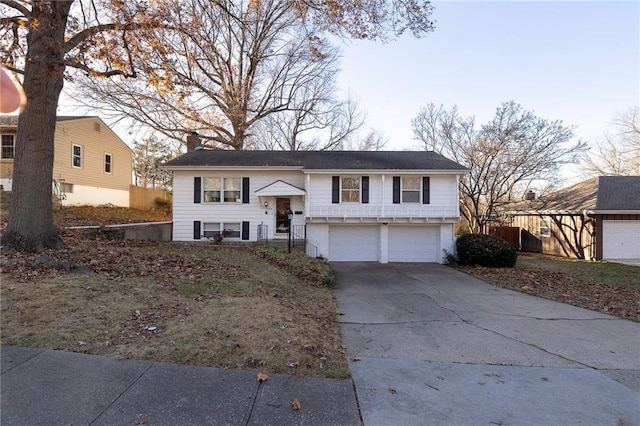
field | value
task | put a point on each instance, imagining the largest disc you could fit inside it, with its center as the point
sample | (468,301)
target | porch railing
(394,210)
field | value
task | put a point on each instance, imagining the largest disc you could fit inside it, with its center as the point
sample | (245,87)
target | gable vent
(96,126)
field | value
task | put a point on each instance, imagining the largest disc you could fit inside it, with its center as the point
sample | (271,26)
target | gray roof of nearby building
(618,193)
(603,193)
(318,160)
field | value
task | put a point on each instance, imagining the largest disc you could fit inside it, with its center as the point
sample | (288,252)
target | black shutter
(245,230)
(396,190)
(197,189)
(245,190)
(196,229)
(365,189)
(425,190)
(335,189)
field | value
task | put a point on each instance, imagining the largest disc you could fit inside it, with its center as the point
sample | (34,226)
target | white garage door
(621,239)
(354,243)
(413,244)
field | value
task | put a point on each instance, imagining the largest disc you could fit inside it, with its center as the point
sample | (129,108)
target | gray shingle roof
(603,193)
(618,193)
(318,160)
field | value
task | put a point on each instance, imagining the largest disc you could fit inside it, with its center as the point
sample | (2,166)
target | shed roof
(318,160)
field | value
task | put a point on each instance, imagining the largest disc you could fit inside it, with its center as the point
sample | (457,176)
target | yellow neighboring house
(92,165)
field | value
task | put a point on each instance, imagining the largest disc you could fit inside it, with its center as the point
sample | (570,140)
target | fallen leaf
(262,377)
(355,358)
(392,391)
(296,404)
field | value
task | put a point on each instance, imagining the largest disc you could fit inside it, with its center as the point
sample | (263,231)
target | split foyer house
(597,219)
(92,165)
(351,206)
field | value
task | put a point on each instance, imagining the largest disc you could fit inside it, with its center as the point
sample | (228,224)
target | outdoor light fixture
(266,204)
(289,217)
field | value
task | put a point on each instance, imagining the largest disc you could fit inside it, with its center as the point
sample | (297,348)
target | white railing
(395,210)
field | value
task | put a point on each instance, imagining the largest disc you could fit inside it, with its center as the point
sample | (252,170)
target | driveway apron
(429,345)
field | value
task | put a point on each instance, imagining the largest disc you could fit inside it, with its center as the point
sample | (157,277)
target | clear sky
(574,61)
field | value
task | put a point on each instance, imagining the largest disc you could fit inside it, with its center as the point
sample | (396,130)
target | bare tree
(41,40)
(44,39)
(514,149)
(618,152)
(220,68)
(149,154)
(373,140)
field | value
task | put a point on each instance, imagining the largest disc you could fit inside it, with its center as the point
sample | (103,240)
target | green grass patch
(195,288)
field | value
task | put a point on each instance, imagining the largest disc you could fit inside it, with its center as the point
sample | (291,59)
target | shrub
(485,250)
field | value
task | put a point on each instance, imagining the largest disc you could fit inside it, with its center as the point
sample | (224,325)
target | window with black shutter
(426,190)
(197,189)
(396,190)
(245,190)
(196,230)
(365,189)
(335,189)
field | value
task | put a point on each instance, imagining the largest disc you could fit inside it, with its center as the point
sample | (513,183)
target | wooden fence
(144,198)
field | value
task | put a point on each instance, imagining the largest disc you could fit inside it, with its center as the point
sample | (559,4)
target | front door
(282,220)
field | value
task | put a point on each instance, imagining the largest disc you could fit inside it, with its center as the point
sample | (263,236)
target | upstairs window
(107,163)
(411,189)
(77,156)
(350,189)
(232,187)
(7,146)
(212,190)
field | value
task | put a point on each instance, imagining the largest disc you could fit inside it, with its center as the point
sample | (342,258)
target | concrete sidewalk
(429,345)
(44,387)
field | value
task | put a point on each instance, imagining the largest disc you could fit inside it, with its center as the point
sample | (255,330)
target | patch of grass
(597,272)
(200,304)
(194,288)
(314,271)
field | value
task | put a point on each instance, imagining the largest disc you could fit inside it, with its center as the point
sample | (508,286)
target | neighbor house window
(77,156)
(7,146)
(212,187)
(232,187)
(107,163)
(66,188)
(350,189)
(411,189)
(545,227)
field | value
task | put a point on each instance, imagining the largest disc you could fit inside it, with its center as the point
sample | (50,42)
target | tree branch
(17,6)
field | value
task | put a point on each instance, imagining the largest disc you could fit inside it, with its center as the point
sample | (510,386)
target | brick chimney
(530,195)
(193,141)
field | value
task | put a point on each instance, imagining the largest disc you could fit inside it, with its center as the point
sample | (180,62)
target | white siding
(357,233)
(185,211)
(443,191)
(93,196)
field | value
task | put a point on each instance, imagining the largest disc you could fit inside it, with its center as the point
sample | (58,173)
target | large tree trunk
(30,226)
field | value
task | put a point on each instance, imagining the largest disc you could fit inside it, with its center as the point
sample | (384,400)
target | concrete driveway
(429,345)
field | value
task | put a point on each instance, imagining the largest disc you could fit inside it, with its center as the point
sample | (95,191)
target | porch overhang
(279,188)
